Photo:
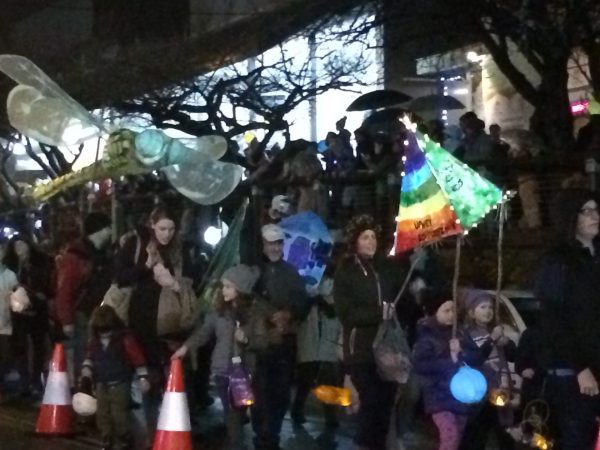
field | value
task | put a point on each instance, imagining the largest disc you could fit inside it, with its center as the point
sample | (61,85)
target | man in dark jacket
(568,287)
(83,276)
(282,287)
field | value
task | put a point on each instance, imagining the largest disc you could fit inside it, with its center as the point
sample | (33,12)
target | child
(238,323)
(8,283)
(495,348)
(437,356)
(112,355)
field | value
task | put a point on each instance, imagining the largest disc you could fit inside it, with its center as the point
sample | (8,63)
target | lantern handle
(459,239)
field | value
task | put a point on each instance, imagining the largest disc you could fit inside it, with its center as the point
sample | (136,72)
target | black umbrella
(385,115)
(378,99)
(435,102)
(387,120)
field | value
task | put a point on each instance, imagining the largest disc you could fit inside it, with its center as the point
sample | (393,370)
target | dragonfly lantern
(38,108)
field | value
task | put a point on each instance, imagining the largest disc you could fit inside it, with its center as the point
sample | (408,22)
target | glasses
(588,212)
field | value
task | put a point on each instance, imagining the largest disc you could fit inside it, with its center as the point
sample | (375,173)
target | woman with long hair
(364,286)
(149,262)
(34,272)
(152,264)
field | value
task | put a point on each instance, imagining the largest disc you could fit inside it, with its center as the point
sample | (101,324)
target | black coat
(143,308)
(357,304)
(568,288)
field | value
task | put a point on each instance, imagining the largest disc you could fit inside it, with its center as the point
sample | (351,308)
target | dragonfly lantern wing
(40,109)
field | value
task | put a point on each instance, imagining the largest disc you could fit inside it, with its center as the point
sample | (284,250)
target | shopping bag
(391,352)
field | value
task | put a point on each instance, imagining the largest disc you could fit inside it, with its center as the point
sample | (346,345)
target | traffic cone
(173,431)
(56,413)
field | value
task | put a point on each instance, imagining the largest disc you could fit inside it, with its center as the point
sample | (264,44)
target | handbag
(390,347)
(175,309)
(119,298)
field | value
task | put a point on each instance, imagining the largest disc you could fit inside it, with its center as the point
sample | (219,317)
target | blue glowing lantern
(468,385)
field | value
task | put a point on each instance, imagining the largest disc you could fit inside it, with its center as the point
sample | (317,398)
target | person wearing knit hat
(242,277)
(497,350)
(567,288)
(365,286)
(238,323)
(432,299)
(438,353)
(472,298)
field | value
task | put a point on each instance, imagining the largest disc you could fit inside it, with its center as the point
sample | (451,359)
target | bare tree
(545,32)
(238,99)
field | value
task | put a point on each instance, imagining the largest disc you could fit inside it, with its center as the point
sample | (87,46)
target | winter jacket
(358,305)
(435,367)
(282,287)
(83,275)
(116,359)
(255,324)
(495,358)
(8,282)
(318,334)
(132,272)
(568,289)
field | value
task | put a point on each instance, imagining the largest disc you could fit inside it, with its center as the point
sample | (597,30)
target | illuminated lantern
(240,386)
(19,300)
(541,442)
(468,385)
(332,395)
(84,404)
(441,196)
(499,397)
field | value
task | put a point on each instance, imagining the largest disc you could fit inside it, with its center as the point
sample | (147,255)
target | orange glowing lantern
(541,442)
(499,397)
(332,395)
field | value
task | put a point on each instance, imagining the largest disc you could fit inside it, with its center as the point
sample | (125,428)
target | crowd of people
(124,311)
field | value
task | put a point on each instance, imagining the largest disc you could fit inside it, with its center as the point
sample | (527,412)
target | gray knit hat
(472,298)
(243,277)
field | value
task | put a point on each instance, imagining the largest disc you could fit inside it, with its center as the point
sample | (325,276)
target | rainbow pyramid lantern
(440,195)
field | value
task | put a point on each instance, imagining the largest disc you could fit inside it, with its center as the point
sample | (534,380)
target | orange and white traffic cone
(56,416)
(173,431)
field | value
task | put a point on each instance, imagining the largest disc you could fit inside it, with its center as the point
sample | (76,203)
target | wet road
(17,422)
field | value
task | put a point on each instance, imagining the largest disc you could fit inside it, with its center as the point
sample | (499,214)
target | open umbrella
(435,102)
(385,116)
(440,196)
(378,99)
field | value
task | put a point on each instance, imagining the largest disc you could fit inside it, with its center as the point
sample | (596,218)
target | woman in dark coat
(568,289)
(148,262)
(34,272)
(363,283)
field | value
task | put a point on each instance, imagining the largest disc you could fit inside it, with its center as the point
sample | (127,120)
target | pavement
(17,422)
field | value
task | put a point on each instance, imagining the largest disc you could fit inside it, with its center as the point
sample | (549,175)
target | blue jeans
(575,413)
